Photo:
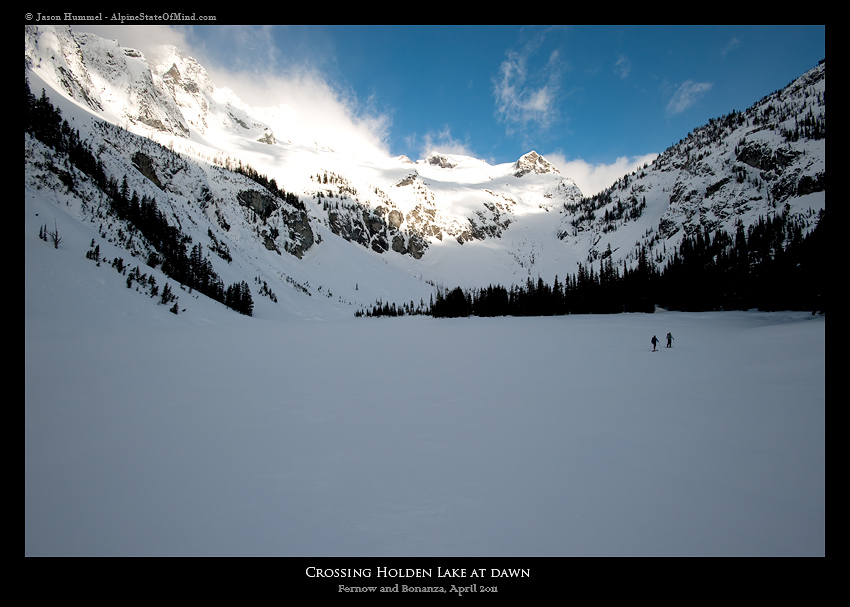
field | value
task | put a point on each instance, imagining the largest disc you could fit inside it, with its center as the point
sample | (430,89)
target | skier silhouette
(669,340)
(654,341)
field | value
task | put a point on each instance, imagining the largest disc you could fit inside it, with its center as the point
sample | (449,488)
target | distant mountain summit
(533,163)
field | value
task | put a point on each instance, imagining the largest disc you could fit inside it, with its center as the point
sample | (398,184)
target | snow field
(416,436)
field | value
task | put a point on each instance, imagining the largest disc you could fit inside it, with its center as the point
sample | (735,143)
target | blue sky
(593,99)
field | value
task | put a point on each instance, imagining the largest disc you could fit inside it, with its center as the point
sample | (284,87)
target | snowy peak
(187,83)
(533,163)
(113,81)
(164,92)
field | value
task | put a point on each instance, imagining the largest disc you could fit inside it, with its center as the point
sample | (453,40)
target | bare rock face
(300,233)
(147,167)
(440,161)
(262,204)
(395,219)
(268,137)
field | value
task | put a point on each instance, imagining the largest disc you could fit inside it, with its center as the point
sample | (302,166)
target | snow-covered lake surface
(561,436)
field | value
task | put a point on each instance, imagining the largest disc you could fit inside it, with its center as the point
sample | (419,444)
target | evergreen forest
(769,266)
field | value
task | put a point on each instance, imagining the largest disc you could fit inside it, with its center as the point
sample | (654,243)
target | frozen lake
(560,436)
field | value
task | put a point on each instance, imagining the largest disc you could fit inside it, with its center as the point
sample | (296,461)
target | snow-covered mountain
(765,161)
(270,205)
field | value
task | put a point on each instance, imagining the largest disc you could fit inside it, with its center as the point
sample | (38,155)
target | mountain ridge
(444,219)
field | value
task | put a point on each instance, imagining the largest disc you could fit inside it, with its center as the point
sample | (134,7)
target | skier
(654,341)
(669,340)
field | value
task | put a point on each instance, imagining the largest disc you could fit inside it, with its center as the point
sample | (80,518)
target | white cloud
(623,66)
(593,178)
(730,46)
(527,96)
(686,95)
(332,116)
(438,141)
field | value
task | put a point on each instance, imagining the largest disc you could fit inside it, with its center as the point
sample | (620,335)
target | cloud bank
(438,141)
(593,178)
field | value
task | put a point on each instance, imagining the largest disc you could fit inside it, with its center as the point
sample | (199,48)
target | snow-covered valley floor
(416,436)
